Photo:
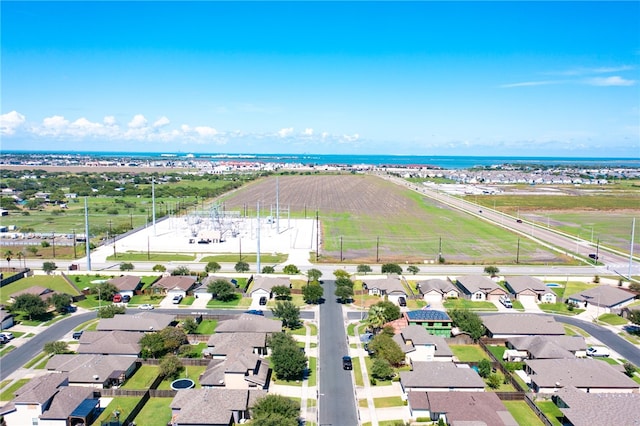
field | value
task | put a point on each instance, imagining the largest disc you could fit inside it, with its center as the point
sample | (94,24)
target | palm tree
(375,318)
(20,256)
(8,254)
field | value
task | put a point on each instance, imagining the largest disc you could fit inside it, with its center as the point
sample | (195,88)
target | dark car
(346,363)
(402,301)
(519,220)
(77,335)
(126,298)
(263,301)
(254,312)
(593,256)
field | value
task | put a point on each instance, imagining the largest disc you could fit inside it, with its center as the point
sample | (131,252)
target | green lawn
(246,257)
(151,257)
(369,363)
(357,371)
(156,412)
(207,327)
(312,371)
(9,393)
(497,351)
(612,319)
(559,308)
(6,350)
(142,378)
(468,353)
(54,282)
(36,360)
(468,304)
(552,412)
(522,413)
(122,404)
(300,331)
(386,402)
(192,372)
(235,302)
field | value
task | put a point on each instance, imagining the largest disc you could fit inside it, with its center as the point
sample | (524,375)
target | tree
(629,369)
(181,270)
(413,269)
(363,269)
(58,347)
(110,311)
(105,291)
(171,367)
(49,267)
(33,250)
(189,325)
(30,304)
(344,281)
(268,269)
(212,267)
(385,348)
(376,318)
(8,254)
(484,368)
(381,369)
(391,311)
(275,410)
(291,270)
(289,363)
(288,313)
(344,293)
(634,286)
(314,274)
(221,289)
(341,273)
(152,345)
(634,316)
(391,268)
(173,338)
(159,268)
(60,301)
(126,266)
(242,267)
(281,291)
(312,293)
(491,270)
(468,322)
(494,380)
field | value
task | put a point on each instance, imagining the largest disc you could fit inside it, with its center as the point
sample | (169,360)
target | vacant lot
(368,219)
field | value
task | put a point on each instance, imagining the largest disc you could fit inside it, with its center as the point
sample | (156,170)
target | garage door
(432,298)
(527,298)
(493,297)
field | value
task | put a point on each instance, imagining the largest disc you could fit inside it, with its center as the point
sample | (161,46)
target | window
(478,296)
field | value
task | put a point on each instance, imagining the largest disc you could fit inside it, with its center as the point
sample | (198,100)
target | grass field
(122,404)
(612,319)
(207,327)
(9,393)
(552,412)
(156,412)
(522,413)
(54,282)
(142,378)
(468,353)
(470,305)
(192,372)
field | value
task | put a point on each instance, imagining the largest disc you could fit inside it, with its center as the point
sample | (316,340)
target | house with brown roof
(606,297)
(391,287)
(42,292)
(511,325)
(437,290)
(49,401)
(440,377)
(418,345)
(529,289)
(240,370)
(96,371)
(110,343)
(586,374)
(460,408)
(174,285)
(586,409)
(263,285)
(247,323)
(213,406)
(141,322)
(220,345)
(547,347)
(126,284)
(479,288)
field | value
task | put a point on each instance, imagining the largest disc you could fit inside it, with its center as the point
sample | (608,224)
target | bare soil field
(367,219)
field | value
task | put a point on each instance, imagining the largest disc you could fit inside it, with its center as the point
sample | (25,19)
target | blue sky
(428,78)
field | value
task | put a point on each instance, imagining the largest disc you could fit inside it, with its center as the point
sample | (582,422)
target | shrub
(159,268)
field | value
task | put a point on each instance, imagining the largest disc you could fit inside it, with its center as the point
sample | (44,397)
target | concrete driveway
(530,305)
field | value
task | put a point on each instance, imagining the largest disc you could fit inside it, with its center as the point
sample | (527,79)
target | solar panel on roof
(85,408)
(428,314)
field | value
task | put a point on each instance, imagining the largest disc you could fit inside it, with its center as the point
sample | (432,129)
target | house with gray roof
(529,289)
(140,322)
(547,347)
(511,325)
(586,374)
(248,323)
(479,288)
(126,284)
(42,292)
(49,400)
(202,290)
(262,286)
(460,408)
(174,285)
(96,371)
(110,343)
(585,409)
(213,406)
(440,377)
(392,287)
(6,319)
(419,345)
(437,290)
(220,345)
(606,297)
(240,370)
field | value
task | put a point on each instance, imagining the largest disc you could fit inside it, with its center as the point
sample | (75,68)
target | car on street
(263,301)
(593,256)
(598,351)
(146,307)
(177,299)
(254,312)
(77,335)
(519,220)
(346,363)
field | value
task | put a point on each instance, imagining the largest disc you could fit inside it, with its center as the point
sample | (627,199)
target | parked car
(506,302)
(69,309)
(263,301)
(145,306)
(126,298)
(77,335)
(402,301)
(3,339)
(177,299)
(7,335)
(366,337)
(597,351)
(117,298)
(254,312)
(346,363)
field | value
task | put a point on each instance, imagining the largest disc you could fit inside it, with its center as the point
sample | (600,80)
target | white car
(7,335)
(146,306)
(598,351)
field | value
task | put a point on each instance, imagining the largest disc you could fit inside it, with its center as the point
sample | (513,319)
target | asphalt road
(336,397)
(19,356)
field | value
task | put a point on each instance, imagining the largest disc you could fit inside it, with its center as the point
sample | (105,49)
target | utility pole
(518,252)
(597,250)
(317,236)
(87,241)
(53,243)
(74,244)
(258,239)
(341,249)
(153,204)
(440,250)
(633,231)
(377,249)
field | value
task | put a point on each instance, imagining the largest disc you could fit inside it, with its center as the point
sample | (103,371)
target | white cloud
(351,138)
(587,71)
(614,80)
(530,83)
(161,122)
(55,122)
(138,122)
(308,132)
(109,120)
(10,121)
(283,133)
(206,131)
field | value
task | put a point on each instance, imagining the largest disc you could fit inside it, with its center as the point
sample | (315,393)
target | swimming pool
(553,285)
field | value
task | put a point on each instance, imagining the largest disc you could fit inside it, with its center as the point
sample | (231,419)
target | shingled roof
(440,375)
(578,372)
(143,322)
(586,409)
(603,295)
(110,342)
(125,282)
(522,325)
(250,324)
(212,405)
(84,368)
